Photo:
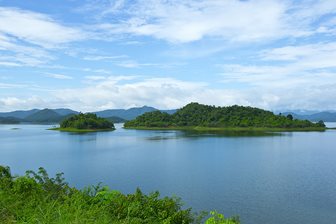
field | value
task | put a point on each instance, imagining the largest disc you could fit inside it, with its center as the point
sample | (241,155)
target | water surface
(273,178)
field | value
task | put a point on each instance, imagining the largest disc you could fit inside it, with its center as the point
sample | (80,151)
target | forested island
(204,117)
(38,198)
(85,123)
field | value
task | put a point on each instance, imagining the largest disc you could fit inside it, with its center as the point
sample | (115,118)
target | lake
(274,178)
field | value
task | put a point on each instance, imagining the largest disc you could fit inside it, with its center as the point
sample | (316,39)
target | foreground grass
(199,128)
(80,130)
(37,198)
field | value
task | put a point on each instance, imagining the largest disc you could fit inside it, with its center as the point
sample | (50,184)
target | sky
(92,55)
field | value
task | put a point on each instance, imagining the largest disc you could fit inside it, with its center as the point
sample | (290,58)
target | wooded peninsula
(204,117)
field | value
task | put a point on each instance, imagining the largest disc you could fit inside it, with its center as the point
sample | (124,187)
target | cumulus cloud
(168,93)
(8,103)
(172,93)
(158,92)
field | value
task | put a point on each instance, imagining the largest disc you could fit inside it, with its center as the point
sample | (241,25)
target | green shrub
(37,198)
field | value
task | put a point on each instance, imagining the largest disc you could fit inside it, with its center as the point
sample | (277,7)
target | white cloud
(58,76)
(95,77)
(191,20)
(186,21)
(323,53)
(104,7)
(27,38)
(289,66)
(120,60)
(289,76)
(112,93)
(10,85)
(134,64)
(168,93)
(103,57)
(294,76)
(36,28)
(17,54)
(8,103)
(9,64)
(101,71)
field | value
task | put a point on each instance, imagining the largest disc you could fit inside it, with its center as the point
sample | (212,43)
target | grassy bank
(198,128)
(37,198)
(80,130)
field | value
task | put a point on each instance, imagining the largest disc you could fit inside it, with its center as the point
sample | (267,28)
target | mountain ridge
(121,115)
(325,116)
(56,115)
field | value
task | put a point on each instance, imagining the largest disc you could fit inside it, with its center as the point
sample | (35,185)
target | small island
(88,122)
(195,116)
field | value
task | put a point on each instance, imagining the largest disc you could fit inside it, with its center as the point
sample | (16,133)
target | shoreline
(261,129)
(80,130)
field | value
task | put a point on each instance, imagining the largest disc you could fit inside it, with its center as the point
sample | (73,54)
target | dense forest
(198,115)
(37,198)
(86,121)
(9,120)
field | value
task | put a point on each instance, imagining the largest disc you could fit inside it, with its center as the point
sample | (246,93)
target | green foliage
(86,121)
(217,218)
(37,198)
(321,123)
(198,115)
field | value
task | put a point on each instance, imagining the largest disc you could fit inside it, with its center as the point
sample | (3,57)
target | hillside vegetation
(115,119)
(9,120)
(198,115)
(44,116)
(37,198)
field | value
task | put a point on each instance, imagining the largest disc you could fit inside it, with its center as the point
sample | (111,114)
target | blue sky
(102,54)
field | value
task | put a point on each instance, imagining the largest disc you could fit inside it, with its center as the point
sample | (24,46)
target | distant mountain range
(129,114)
(122,115)
(325,116)
(57,115)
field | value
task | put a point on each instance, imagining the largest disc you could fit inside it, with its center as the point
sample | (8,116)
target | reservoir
(278,178)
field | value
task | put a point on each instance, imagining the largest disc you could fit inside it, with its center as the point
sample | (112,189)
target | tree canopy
(86,121)
(195,114)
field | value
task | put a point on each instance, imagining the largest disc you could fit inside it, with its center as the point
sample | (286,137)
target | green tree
(290,117)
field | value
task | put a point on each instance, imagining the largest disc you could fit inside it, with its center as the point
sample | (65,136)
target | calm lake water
(272,179)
